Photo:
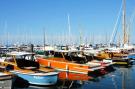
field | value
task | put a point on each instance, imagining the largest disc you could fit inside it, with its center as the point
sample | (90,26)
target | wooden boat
(102,55)
(122,57)
(123,60)
(123,53)
(6,79)
(61,61)
(98,57)
(23,65)
(119,57)
(5,76)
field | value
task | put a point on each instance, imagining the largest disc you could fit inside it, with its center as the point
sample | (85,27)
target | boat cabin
(21,60)
(76,56)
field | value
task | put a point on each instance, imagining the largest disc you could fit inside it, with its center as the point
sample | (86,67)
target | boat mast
(81,37)
(44,38)
(6,34)
(129,26)
(69,29)
(124,22)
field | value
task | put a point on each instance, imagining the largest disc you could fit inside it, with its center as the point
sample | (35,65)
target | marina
(66,55)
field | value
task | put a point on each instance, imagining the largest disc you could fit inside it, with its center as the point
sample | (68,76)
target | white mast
(6,34)
(124,22)
(129,26)
(69,29)
(44,38)
(80,34)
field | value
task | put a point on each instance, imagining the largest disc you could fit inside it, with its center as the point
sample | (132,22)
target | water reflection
(126,75)
(102,72)
(73,76)
(122,78)
(66,80)
(72,80)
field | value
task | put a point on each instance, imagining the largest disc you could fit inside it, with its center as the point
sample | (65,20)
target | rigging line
(115,35)
(114,30)
(130,23)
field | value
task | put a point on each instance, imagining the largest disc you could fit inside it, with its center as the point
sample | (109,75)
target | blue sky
(24,20)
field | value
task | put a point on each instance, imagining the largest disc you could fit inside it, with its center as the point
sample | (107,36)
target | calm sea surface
(121,78)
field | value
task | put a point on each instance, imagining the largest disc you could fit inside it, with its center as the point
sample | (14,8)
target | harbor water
(121,78)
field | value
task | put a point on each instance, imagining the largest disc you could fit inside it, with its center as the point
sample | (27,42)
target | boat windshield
(25,57)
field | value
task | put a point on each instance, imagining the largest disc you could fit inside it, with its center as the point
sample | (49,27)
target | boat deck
(5,76)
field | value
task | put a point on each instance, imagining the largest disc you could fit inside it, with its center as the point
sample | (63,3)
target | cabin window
(20,57)
(9,59)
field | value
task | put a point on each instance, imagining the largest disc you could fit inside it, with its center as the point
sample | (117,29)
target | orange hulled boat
(64,61)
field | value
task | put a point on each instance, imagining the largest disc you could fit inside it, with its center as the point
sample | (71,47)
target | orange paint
(73,76)
(64,65)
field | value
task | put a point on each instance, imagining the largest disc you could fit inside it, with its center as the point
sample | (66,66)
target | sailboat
(124,54)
